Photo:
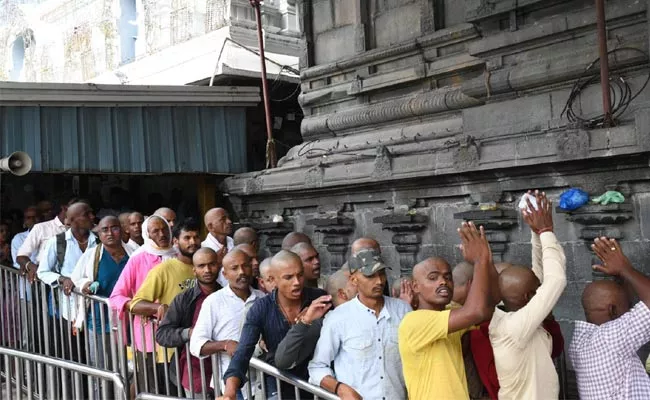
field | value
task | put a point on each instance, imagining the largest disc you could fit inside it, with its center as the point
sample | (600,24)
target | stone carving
(314,176)
(406,230)
(572,144)
(337,230)
(497,224)
(382,163)
(426,103)
(466,155)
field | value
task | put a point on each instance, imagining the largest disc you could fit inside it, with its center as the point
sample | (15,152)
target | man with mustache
(272,316)
(218,327)
(175,329)
(360,338)
(430,338)
(164,282)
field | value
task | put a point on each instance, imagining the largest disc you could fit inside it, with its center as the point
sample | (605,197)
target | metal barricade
(17,372)
(82,330)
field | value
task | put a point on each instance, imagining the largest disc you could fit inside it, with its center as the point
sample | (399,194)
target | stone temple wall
(422,113)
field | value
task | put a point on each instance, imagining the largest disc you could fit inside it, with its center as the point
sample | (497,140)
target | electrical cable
(621,93)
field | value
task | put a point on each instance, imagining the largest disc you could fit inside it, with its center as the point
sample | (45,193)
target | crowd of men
(478,330)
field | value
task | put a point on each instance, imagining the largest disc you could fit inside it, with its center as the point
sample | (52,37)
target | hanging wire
(620,90)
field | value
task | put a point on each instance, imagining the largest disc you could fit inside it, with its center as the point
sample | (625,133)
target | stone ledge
(439,38)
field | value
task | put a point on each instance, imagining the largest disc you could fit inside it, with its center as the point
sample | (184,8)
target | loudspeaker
(18,163)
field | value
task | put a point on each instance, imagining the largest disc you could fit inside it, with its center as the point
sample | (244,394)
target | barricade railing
(84,330)
(25,377)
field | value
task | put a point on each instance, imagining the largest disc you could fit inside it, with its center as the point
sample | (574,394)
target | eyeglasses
(113,229)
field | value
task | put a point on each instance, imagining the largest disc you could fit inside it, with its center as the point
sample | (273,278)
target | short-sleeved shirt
(605,357)
(432,358)
(164,282)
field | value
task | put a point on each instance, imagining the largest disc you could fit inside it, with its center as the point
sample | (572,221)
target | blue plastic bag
(573,199)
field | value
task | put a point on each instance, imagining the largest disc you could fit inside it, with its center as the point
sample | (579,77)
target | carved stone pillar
(497,224)
(271,235)
(406,237)
(336,231)
(598,221)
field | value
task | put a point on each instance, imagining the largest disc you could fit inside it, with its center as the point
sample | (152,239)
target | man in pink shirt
(157,248)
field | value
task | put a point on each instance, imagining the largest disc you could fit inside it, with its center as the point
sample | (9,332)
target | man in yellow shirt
(430,338)
(162,284)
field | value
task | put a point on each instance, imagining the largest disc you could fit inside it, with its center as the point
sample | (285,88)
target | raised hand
(540,220)
(611,254)
(475,246)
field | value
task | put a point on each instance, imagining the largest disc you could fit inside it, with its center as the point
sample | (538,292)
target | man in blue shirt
(272,317)
(360,338)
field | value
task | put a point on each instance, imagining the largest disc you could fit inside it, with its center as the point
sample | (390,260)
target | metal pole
(270,144)
(604,62)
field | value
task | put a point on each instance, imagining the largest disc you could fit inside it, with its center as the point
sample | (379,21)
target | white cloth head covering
(150,246)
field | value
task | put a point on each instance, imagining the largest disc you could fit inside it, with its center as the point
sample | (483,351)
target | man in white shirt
(218,327)
(219,227)
(35,241)
(359,338)
(135,222)
(521,345)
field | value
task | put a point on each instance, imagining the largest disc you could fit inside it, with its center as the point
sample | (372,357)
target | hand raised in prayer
(316,309)
(540,220)
(611,254)
(474,246)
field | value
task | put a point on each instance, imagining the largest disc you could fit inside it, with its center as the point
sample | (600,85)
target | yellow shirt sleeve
(647,365)
(421,328)
(151,289)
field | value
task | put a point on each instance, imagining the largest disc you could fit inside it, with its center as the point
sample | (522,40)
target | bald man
(168,214)
(250,250)
(604,348)
(293,238)
(265,280)
(246,235)
(220,321)
(219,226)
(364,243)
(268,317)
(176,327)
(57,272)
(430,338)
(521,345)
(311,262)
(299,344)
(135,230)
(463,274)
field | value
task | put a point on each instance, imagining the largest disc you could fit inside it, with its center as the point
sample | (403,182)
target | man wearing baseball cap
(360,338)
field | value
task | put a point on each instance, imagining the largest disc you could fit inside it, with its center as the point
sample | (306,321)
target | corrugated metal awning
(140,130)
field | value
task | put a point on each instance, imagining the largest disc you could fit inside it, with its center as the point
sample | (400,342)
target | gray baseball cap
(368,261)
